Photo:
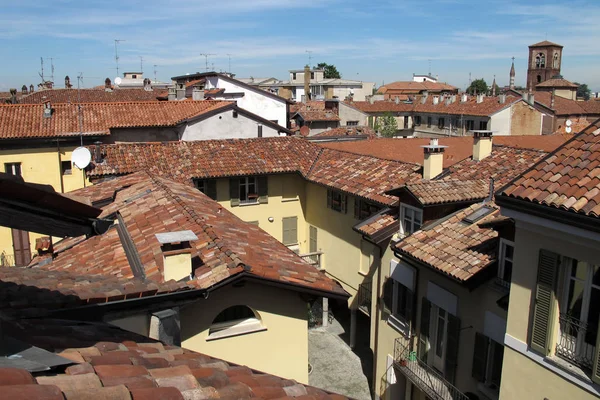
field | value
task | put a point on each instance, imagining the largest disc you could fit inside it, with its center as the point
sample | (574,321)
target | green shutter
(452,348)
(480,357)
(211,188)
(312,233)
(290,230)
(263,189)
(234,191)
(371,121)
(424,332)
(596,373)
(388,298)
(541,327)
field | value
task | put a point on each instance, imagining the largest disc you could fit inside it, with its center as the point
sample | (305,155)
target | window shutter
(344,203)
(211,188)
(544,301)
(290,230)
(234,191)
(328,198)
(480,356)
(424,332)
(263,189)
(356,208)
(452,347)
(388,297)
(409,305)
(371,121)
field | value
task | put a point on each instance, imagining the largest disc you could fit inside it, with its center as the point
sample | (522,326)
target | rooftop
(415,87)
(88,96)
(343,131)
(557,82)
(448,191)
(544,43)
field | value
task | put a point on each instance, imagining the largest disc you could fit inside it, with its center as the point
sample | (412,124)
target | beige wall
(348,113)
(281,349)
(525,120)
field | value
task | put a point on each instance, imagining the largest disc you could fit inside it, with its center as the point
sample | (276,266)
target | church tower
(544,63)
(512,75)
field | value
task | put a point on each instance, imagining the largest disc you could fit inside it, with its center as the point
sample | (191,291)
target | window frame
(441,123)
(417,120)
(343,201)
(360,213)
(203,185)
(351,123)
(502,258)
(483,125)
(429,122)
(403,208)
(66,171)
(235,327)
(12,167)
(469,124)
(244,187)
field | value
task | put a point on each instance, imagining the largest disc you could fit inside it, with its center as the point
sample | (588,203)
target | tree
(386,125)
(331,71)
(478,86)
(583,91)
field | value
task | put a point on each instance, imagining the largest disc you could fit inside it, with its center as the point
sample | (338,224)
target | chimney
(482,145)
(371,100)
(397,100)
(47,109)
(424,98)
(436,100)
(68,82)
(177,254)
(97,152)
(530,98)
(197,93)
(433,163)
(552,98)
(180,91)
(13,96)
(107,85)
(448,100)
(24,89)
(172,94)
(453,98)
(464,98)
(502,99)
(43,245)
(31,88)
(306,83)
(479,98)
(147,84)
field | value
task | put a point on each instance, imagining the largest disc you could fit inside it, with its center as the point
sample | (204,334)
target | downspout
(60,176)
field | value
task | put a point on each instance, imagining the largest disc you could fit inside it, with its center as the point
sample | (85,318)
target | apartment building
(551,341)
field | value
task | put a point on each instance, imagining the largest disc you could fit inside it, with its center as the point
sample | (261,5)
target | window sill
(489,393)
(243,328)
(288,200)
(363,273)
(399,325)
(253,203)
(570,368)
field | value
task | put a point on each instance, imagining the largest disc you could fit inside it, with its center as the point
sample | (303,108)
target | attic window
(477,215)
(234,321)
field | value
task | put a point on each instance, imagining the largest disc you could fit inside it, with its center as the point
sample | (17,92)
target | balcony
(422,375)
(8,260)
(576,342)
(364,298)
(313,258)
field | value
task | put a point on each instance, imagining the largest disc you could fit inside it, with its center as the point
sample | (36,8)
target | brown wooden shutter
(424,332)
(452,348)
(410,297)
(211,188)
(356,208)
(480,357)
(344,202)
(290,230)
(234,191)
(21,248)
(544,301)
(388,298)
(263,189)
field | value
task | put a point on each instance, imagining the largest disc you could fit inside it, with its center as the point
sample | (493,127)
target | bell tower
(544,62)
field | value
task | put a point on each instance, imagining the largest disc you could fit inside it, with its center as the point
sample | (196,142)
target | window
(364,209)
(483,125)
(412,219)
(293,75)
(441,123)
(352,123)
(540,60)
(312,75)
(505,260)
(66,167)
(398,304)
(290,231)
(555,61)
(487,361)
(207,186)
(248,190)
(337,201)
(133,76)
(469,124)
(417,120)
(429,122)
(539,79)
(233,321)
(12,168)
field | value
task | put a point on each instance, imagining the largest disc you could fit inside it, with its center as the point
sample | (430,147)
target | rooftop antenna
(206,55)
(79,111)
(117,41)
(141,64)
(309,58)
(429,61)
(42,73)
(155,73)
(229,56)
(51,67)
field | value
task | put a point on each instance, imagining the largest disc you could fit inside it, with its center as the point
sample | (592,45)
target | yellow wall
(40,165)
(282,349)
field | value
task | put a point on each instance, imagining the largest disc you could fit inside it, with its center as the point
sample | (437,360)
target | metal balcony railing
(576,342)
(313,258)
(364,297)
(422,375)
(8,260)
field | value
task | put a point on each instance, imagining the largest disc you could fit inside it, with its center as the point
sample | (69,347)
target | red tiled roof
(74,96)
(348,131)
(556,82)
(449,191)
(27,121)
(381,225)
(226,246)
(309,105)
(414,87)
(110,363)
(567,179)
(454,247)
(577,125)
(544,43)
(567,107)
(318,115)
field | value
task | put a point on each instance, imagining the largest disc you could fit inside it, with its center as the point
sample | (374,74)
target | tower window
(539,79)
(555,61)
(540,60)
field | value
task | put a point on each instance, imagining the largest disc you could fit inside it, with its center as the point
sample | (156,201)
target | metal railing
(8,260)
(576,341)
(364,297)
(422,375)
(502,283)
(313,258)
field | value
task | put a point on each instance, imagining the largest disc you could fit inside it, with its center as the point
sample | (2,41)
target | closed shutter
(356,208)
(329,200)
(452,348)
(424,332)
(312,239)
(388,297)
(410,296)
(344,202)
(263,189)
(211,188)
(480,356)
(371,121)
(290,230)
(22,251)
(544,301)
(234,191)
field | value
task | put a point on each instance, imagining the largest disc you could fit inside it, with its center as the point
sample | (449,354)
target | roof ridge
(372,156)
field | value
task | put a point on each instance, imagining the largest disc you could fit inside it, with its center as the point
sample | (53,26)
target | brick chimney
(107,85)
(482,145)
(31,88)
(306,83)
(433,163)
(180,91)
(43,245)
(177,254)
(464,98)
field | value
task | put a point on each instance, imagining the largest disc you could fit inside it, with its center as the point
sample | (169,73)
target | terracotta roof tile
(380,226)
(449,191)
(348,131)
(318,115)
(556,82)
(74,96)
(402,87)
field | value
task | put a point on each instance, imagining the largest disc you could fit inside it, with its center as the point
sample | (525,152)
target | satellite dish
(569,123)
(81,157)
(118,80)
(568,129)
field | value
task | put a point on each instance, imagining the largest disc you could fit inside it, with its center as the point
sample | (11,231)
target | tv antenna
(155,73)
(141,64)
(206,55)
(79,110)
(309,57)
(42,73)
(51,67)
(429,61)
(229,56)
(117,41)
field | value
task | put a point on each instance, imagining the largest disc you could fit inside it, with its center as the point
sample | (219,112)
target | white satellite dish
(118,80)
(81,157)
(568,129)
(568,123)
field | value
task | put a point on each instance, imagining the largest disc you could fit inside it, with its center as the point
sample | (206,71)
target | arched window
(555,61)
(539,79)
(234,321)
(540,60)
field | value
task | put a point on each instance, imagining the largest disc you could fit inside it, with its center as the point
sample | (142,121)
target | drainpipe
(60,176)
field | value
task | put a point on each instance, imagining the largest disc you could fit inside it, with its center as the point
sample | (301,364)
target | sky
(377,41)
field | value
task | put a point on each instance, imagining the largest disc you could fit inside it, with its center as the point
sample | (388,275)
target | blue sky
(377,40)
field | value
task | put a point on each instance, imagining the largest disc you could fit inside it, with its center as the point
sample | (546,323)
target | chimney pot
(502,98)
(482,145)
(433,162)
(177,253)
(97,152)
(463,98)
(436,100)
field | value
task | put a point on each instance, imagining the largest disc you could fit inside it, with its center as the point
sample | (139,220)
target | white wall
(348,113)
(254,100)
(225,126)
(360,92)
(500,122)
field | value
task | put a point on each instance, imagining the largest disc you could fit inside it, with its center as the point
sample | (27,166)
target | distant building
(424,78)
(136,80)
(544,63)
(405,90)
